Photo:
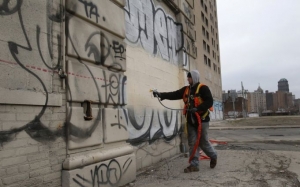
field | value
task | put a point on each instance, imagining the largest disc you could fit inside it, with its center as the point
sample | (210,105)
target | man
(198,99)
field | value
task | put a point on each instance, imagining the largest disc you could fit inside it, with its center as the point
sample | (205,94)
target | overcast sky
(259,43)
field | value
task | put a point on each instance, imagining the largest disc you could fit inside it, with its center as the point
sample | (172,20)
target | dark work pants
(204,143)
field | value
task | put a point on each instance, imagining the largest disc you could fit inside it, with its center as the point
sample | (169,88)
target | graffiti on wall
(148,125)
(104,174)
(156,31)
(106,87)
(217,114)
(100,47)
(35,128)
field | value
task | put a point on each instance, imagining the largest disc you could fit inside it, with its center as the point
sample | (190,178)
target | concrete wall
(75,106)
(154,61)
(32,94)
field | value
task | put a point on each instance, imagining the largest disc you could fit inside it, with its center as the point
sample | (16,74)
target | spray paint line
(30,67)
(13,63)
(50,71)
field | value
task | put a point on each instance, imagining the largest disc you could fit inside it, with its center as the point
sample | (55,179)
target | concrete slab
(187,10)
(189,46)
(187,26)
(115,125)
(114,172)
(88,82)
(88,133)
(103,13)
(95,45)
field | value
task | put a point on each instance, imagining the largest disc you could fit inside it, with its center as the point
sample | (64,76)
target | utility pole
(243,101)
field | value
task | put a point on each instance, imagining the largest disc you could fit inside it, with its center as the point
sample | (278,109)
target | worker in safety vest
(197,99)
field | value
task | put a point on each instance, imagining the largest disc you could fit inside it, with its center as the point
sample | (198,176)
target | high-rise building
(208,46)
(257,101)
(269,100)
(283,85)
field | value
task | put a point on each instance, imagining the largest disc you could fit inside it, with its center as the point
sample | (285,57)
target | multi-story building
(208,50)
(283,85)
(75,107)
(281,100)
(269,100)
(256,101)
(284,100)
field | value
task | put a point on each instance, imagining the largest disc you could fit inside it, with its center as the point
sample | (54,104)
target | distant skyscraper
(283,85)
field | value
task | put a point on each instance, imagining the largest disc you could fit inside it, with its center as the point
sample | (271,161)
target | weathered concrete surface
(235,168)
(250,158)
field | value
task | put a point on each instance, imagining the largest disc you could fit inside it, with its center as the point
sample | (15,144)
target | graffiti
(108,86)
(92,11)
(151,27)
(100,46)
(187,10)
(119,49)
(151,125)
(35,128)
(119,123)
(217,113)
(6,9)
(104,174)
(189,29)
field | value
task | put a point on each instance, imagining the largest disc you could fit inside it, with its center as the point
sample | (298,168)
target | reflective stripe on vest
(197,100)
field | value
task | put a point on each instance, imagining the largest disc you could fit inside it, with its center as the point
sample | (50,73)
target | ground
(265,154)
(262,121)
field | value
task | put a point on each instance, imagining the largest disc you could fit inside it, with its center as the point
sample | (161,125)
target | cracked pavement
(260,160)
(235,168)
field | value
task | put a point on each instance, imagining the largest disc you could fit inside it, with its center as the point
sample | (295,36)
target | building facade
(283,85)
(256,101)
(75,106)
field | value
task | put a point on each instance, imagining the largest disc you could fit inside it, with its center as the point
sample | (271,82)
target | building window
(202,16)
(207,35)
(205,59)
(218,59)
(205,8)
(215,67)
(217,47)
(208,49)
(219,70)
(208,61)
(206,22)
(201,3)
(204,45)
(203,31)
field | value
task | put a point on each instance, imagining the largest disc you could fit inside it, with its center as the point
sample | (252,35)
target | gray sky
(259,43)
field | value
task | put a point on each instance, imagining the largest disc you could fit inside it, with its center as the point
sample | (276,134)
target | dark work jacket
(204,93)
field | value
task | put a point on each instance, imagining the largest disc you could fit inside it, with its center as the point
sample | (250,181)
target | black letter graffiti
(93,9)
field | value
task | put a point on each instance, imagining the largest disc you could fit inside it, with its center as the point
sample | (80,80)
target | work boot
(191,168)
(213,163)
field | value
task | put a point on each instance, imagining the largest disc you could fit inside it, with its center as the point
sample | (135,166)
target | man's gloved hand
(156,93)
(193,110)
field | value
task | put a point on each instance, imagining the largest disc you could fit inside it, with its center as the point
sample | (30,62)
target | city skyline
(259,43)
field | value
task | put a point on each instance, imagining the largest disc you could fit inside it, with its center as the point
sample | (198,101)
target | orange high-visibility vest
(197,99)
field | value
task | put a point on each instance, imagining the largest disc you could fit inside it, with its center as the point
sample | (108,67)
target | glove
(193,110)
(156,94)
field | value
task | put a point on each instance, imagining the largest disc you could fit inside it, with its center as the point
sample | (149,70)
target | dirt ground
(262,121)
